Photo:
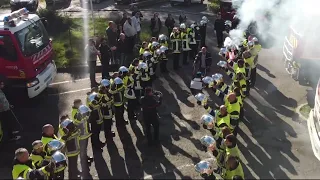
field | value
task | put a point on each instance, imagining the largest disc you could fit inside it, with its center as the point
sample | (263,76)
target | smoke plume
(275,17)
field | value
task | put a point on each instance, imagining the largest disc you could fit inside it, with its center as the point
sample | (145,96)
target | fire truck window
(7,49)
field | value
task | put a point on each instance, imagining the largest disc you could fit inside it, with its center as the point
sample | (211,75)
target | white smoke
(302,15)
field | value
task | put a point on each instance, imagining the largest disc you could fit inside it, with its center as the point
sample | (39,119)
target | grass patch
(214,6)
(305,110)
(68,42)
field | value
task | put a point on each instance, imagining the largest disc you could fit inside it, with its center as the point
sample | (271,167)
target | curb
(147,3)
(298,112)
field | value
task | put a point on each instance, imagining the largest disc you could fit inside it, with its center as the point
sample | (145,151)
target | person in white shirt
(92,61)
(137,24)
(130,32)
(7,123)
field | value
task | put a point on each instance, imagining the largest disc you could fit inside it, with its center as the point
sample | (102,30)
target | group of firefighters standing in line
(129,88)
(240,65)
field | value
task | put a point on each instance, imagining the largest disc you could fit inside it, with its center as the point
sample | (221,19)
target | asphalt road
(273,141)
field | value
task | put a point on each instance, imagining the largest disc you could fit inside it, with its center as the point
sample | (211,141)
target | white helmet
(254,39)
(118,81)
(158,52)
(202,22)
(193,25)
(147,54)
(123,69)
(183,26)
(105,82)
(142,65)
(204,18)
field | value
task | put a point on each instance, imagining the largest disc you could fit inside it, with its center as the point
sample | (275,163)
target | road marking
(174,169)
(63,82)
(68,92)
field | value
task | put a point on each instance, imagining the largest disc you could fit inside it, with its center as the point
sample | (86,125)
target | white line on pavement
(64,82)
(68,92)
(173,170)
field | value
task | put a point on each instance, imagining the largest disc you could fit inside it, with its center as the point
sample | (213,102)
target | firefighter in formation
(223,122)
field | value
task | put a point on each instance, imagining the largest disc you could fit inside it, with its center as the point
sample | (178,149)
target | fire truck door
(9,62)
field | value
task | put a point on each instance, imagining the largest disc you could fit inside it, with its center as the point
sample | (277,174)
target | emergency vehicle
(26,53)
(314,124)
(301,53)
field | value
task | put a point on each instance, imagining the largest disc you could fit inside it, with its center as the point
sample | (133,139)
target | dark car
(31,5)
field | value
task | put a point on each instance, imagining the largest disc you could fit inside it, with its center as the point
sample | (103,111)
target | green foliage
(214,7)
(4,3)
(67,34)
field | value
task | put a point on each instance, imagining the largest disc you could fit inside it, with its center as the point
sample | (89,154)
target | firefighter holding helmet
(185,43)
(175,38)
(193,42)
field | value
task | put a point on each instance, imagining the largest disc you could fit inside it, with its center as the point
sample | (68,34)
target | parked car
(187,2)
(31,5)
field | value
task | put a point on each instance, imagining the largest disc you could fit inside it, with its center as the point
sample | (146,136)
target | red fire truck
(301,53)
(26,53)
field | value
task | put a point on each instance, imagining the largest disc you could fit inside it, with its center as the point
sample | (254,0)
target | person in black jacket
(219,28)
(169,23)
(149,103)
(105,52)
(156,25)
(203,60)
(122,49)
(112,35)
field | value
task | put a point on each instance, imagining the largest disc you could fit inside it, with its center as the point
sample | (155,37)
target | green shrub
(214,7)
(4,3)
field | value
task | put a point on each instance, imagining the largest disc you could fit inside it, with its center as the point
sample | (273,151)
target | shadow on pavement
(261,68)
(269,132)
(117,162)
(132,160)
(32,114)
(101,165)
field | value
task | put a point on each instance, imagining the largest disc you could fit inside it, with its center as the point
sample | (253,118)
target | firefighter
(193,42)
(203,30)
(93,102)
(153,39)
(133,68)
(24,168)
(144,47)
(144,76)
(233,108)
(254,52)
(232,149)
(197,35)
(175,38)
(164,42)
(47,135)
(117,91)
(152,63)
(233,168)
(163,51)
(106,108)
(38,155)
(129,93)
(185,43)
(72,145)
(149,103)
(80,119)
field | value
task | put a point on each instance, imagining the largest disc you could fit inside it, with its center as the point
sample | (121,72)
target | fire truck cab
(25,53)
(301,53)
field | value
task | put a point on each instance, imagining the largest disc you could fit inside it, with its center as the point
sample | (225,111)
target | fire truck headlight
(33,83)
